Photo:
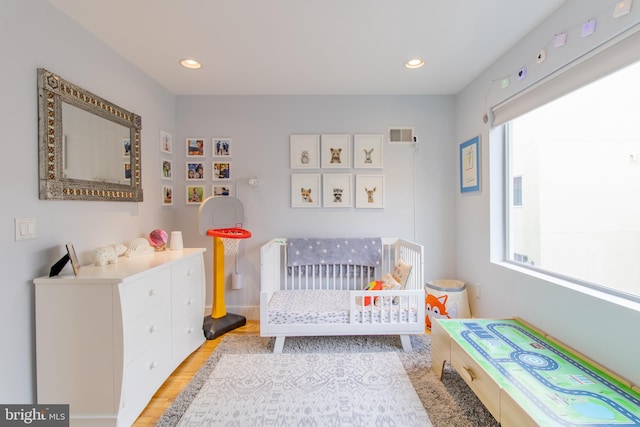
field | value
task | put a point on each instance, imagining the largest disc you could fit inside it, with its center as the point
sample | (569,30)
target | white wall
(260,127)
(34,34)
(603,330)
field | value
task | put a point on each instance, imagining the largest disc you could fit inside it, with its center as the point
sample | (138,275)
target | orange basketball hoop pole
(221,322)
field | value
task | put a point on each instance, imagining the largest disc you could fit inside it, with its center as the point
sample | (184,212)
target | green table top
(553,385)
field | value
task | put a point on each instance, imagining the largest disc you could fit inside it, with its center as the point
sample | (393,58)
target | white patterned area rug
(321,389)
(448,402)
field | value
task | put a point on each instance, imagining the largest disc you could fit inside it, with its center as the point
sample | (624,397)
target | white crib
(318,300)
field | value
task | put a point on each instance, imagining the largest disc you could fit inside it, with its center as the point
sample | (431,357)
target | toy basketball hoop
(230,238)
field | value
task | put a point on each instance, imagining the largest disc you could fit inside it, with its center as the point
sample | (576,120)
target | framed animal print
(335,151)
(336,190)
(369,191)
(305,190)
(367,151)
(304,151)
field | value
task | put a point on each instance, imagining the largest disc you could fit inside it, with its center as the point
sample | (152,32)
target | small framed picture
(167,195)
(336,151)
(166,142)
(221,171)
(305,190)
(367,151)
(127,170)
(336,190)
(195,147)
(73,257)
(195,194)
(221,190)
(470,165)
(304,151)
(195,171)
(126,147)
(166,169)
(222,147)
(369,191)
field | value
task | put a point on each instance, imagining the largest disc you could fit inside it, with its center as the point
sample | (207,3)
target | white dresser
(108,338)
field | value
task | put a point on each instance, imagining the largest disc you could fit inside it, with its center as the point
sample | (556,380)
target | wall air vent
(402,135)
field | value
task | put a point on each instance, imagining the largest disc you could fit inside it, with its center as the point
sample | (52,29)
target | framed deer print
(369,191)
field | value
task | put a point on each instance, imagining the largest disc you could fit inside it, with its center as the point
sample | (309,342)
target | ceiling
(330,47)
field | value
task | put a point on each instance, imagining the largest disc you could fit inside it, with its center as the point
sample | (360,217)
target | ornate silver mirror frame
(53,93)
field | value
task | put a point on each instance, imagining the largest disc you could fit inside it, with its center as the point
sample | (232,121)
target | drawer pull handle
(152,329)
(190,329)
(189,273)
(152,365)
(190,301)
(152,292)
(468,374)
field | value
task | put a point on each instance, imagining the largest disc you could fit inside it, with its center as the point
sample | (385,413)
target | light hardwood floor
(179,379)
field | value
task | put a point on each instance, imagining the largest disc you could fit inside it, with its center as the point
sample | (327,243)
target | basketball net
(231,245)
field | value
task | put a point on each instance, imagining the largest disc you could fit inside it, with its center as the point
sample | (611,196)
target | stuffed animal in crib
(107,254)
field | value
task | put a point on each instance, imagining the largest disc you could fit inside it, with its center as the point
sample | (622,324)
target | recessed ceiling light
(414,63)
(190,63)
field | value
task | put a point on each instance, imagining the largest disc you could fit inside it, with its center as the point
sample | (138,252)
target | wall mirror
(89,148)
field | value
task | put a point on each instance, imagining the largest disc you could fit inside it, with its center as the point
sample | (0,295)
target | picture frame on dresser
(73,258)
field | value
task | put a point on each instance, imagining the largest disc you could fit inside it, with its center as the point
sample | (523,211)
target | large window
(574,171)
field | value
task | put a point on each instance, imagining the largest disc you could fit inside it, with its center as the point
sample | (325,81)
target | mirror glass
(94,149)
(89,147)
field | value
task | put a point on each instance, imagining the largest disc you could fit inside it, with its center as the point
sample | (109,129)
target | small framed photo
(195,171)
(336,190)
(167,169)
(305,190)
(166,142)
(195,147)
(369,191)
(167,195)
(222,147)
(127,170)
(73,257)
(126,147)
(336,151)
(367,151)
(470,165)
(221,171)
(195,194)
(304,151)
(221,190)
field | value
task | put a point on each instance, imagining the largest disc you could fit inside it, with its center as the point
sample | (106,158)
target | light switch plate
(26,228)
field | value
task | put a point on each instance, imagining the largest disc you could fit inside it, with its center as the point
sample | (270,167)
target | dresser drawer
(187,290)
(187,335)
(480,382)
(141,296)
(144,375)
(149,332)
